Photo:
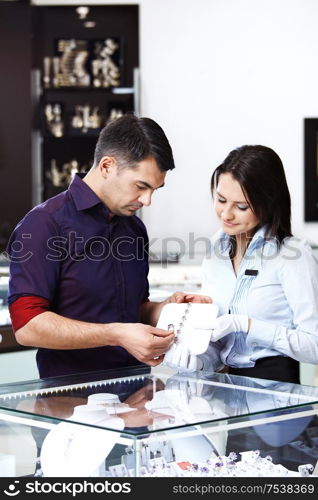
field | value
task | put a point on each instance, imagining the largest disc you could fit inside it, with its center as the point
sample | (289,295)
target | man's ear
(106,164)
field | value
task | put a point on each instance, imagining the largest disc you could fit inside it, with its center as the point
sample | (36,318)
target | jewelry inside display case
(85,73)
(132,423)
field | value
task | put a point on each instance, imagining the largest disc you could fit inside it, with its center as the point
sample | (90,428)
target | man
(78,272)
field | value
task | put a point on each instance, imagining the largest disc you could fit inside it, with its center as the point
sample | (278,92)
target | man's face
(126,190)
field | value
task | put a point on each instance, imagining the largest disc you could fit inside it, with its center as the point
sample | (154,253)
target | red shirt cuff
(25,308)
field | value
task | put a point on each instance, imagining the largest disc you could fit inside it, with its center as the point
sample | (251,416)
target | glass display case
(133,422)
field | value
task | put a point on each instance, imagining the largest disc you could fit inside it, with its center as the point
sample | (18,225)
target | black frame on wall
(311,169)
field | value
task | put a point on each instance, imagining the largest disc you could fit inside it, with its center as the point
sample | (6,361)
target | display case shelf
(107,91)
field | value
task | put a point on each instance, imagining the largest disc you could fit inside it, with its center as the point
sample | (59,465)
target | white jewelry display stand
(73,450)
(110,402)
(187,409)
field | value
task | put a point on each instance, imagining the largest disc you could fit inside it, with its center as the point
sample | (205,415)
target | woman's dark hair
(260,173)
(132,139)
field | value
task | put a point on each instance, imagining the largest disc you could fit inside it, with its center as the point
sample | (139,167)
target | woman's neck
(241,243)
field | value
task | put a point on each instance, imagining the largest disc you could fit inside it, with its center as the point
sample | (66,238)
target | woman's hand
(178,358)
(229,323)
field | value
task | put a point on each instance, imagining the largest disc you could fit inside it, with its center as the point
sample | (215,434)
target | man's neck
(92,180)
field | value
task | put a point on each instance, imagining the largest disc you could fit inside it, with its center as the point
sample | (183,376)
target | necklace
(178,329)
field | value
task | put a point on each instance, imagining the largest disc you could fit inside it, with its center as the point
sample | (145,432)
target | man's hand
(146,343)
(144,394)
(229,323)
(138,399)
(182,297)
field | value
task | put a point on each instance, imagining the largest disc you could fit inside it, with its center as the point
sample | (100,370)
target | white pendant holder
(191,322)
(74,450)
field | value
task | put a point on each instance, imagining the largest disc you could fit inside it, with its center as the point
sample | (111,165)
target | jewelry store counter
(136,423)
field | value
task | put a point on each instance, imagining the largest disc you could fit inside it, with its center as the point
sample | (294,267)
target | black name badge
(251,272)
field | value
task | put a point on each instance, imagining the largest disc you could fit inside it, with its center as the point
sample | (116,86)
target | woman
(264,280)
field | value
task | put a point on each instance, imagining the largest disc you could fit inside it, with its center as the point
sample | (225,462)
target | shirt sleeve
(299,281)
(23,309)
(35,252)
(211,358)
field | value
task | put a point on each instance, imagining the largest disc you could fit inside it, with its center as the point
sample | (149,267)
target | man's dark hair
(260,173)
(131,139)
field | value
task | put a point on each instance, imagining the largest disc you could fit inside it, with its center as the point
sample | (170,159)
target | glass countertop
(150,402)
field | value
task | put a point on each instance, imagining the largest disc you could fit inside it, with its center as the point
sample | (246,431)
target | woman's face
(233,209)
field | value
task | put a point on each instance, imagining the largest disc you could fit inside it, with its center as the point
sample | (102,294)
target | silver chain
(178,330)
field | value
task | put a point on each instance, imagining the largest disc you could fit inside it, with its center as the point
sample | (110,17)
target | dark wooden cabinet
(15,116)
(70,89)
(8,342)
(28,34)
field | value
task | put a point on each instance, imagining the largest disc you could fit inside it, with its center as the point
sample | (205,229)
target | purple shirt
(89,266)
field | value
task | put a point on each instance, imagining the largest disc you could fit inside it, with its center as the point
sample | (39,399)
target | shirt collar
(83,196)
(258,239)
